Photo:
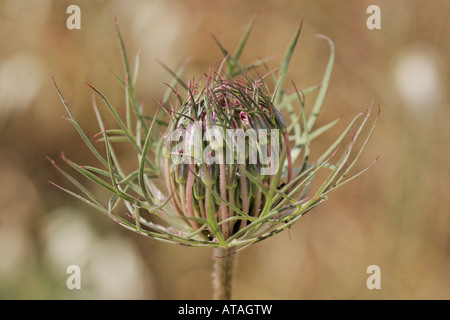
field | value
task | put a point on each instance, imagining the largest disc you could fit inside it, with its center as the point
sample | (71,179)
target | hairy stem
(224,264)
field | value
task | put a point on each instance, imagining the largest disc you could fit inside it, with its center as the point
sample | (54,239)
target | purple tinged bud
(214,185)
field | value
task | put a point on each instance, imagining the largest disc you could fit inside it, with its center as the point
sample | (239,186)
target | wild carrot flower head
(233,157)
(222,152)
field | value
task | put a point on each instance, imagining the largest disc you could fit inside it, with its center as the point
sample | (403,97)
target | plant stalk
(223,270)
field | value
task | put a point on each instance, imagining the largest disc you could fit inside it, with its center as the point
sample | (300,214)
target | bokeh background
(395,216)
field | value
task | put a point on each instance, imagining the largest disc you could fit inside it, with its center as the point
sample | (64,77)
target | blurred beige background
(396,215)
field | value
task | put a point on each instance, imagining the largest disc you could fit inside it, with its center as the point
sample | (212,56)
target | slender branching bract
(225,160)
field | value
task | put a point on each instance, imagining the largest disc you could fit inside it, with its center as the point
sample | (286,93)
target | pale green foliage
(287,197)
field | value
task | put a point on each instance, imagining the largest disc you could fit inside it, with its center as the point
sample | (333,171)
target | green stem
(224,265)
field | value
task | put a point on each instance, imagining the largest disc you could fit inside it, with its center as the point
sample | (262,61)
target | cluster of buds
(222,155)
(229,170)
